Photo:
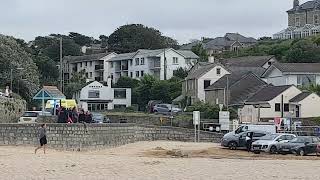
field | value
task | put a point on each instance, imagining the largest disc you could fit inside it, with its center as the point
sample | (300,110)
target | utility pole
(165,65)
(227,93)
(11,79)
(61,66)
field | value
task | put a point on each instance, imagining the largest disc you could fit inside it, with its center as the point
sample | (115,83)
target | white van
(254,127)
(29,117)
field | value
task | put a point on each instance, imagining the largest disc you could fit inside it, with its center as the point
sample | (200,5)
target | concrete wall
(310,106)
(11,109)
(79,137)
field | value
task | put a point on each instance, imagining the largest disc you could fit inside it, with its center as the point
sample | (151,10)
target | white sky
(179,19)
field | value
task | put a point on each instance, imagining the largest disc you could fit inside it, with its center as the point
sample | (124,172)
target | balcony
(99,67)
(155,64)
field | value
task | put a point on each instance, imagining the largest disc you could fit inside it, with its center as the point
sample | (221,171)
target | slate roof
(241,86)
(188,54)
(300,97)
(243,70)
(49,92)
(248,61)
(200,69)
(91,57)
(268,93)
(240,38)
(124,56)
(307,6)
(298,67)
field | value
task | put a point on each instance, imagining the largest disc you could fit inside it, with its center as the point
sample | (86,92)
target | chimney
(296,4)
(211,59)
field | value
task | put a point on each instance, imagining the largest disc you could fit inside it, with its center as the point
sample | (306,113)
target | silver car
(166,109)
(271,143)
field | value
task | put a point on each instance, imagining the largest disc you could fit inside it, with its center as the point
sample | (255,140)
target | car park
(166,109)
(234,141)
(301,145)
(271,143)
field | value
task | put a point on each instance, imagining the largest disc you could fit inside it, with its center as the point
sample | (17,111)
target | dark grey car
(234,141)
(166,109)
(302,145)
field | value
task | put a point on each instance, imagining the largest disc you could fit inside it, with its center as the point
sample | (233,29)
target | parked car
(166,109)
(99,118)
(234,141)
(271,143)
(29,117)
(301,145)
(151,104)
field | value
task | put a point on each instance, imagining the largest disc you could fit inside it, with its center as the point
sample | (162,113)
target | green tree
(127,82)
(315,88)
(49,72)
(303,51)
(104,41)
(77,82)
(80,39)
(13,56)
(130,38)
(200,51)
(180,73)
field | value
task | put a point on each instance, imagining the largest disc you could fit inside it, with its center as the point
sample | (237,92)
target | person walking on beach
(43,138)
(249,140)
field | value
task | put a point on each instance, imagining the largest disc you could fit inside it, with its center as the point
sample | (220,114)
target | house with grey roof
(233,89)
(273,102)
(229,42)
(161,63)
(94,66)
(303,20)
(201,76)
(298,74)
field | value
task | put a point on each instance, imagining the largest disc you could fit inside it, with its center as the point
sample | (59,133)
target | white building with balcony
(160,63)
(93,66)
(96,97)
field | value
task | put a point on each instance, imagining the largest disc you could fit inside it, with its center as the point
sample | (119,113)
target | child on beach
(43,138)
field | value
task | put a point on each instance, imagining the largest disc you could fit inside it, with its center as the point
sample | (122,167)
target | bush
(208,111)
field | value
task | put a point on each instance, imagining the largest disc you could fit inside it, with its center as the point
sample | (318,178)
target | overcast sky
(180,19)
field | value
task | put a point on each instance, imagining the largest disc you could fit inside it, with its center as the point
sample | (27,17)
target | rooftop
(300,97)
(200,69)
(91,57)
(268,93)
(248,61)
(315,4)
(298,67)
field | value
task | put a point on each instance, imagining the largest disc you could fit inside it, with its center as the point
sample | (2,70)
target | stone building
(303,20)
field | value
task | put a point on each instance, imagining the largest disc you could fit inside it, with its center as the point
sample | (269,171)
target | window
(119,106)
(94,94)
(218,71)
(97,107)
(131,74)
(278,107)
(142,73)
(120,94)
(90,74)
(286,107)
(90,63)
(131,62)
(111,76)
(269,63)
(87,75)
(316,19)
(111,64)
(80,64)
(137,73)
(86,63)
(142,61)
(306,80)
(175,60)
(206,83)
(137,61)
(297,22)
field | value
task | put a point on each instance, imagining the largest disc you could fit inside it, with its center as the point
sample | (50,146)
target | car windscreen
(30,114)
(301,140)
(269,137)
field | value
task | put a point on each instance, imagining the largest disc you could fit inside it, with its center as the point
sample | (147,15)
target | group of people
(66,115)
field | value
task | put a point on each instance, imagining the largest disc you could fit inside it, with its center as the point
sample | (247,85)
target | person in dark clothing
(82,117)
(43,138)
(88,117)
(74,115)
(249,140)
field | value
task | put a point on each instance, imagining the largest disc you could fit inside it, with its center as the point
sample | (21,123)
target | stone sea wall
(11,109)
(81,137)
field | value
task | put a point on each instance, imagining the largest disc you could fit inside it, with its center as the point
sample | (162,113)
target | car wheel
(300,152)
(232,145)
(256,152)
(273,150)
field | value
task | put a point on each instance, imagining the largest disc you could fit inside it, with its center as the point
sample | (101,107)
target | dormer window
(218,71)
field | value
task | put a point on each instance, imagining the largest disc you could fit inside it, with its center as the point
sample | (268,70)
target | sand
(154,160)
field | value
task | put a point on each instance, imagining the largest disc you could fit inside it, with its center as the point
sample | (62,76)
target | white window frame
(297,21)
(137,61)
(316,20)
(175,60)
(142,61)
(218,69)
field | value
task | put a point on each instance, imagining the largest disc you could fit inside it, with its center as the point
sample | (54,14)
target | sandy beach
(154,160)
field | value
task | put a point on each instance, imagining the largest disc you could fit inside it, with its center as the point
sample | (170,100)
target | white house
(201,76)
(279,101)
(93,65)
(97,97)
(298,74)
(160,63)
